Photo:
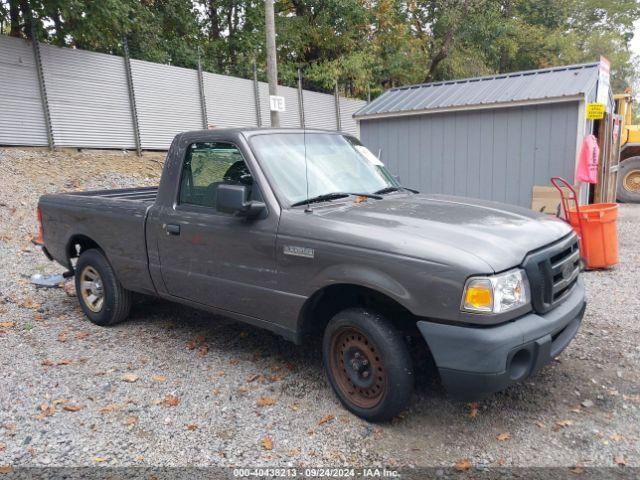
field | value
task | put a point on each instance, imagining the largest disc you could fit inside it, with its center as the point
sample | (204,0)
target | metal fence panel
(265,112)
(291,116)
(90,105)
(319,110)
(168,102)
(349,106)
(88,98)
(230,101)
(21,116)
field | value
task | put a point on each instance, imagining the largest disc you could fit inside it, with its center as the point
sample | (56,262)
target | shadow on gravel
(227,338)
(234,339)
(224,335)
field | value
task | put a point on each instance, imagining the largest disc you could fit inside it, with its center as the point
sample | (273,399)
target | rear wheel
(368,364)
(102,298)
(629,181)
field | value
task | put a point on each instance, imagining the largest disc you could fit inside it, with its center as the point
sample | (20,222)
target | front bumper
(476,361)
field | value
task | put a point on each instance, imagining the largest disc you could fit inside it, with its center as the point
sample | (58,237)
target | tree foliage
(364,45)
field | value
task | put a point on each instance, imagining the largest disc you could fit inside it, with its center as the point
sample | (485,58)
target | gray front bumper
(475,361)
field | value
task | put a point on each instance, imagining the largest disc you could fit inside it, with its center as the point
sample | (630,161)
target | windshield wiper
(393,189)
(382,191)
(334,196)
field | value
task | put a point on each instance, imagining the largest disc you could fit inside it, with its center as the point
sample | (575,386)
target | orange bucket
(599,238)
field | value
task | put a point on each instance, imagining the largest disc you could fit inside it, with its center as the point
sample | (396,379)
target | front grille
(552,272)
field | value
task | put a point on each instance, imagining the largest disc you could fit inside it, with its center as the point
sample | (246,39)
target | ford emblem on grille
(567,270)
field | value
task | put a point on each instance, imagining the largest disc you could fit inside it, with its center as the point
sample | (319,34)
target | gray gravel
(175,387)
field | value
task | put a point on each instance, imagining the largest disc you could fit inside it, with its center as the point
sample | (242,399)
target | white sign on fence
(277,103)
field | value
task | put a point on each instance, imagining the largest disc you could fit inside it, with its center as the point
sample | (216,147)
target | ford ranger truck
(305,232)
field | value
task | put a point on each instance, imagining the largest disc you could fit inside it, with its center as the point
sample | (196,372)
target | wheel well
(328,301)
(78,244)
(629,152)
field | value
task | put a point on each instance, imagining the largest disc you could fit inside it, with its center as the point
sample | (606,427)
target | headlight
(496,293)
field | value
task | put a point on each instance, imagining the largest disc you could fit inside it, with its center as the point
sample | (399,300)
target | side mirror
(233,199)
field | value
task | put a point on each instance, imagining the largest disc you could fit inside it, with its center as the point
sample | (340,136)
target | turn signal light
(479,297)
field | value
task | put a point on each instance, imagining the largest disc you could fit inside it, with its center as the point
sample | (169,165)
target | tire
(629,181)
(368,364)
(103,299)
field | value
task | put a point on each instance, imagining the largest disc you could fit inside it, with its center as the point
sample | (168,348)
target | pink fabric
(587,170)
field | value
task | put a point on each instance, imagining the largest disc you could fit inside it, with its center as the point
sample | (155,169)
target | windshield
(335,164)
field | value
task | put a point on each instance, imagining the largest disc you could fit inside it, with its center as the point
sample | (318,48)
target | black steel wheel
(368,364)
(356,366)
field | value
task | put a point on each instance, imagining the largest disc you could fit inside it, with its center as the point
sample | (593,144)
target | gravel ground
(175,387)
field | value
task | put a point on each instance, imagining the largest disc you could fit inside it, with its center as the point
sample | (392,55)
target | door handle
(172,229)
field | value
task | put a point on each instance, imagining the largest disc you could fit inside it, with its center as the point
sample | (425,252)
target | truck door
(213,258)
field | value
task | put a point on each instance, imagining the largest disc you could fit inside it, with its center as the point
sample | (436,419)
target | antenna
(306,167)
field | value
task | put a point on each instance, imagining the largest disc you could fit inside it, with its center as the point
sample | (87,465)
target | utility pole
(272,62)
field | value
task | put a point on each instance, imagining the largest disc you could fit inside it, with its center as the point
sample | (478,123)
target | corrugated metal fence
(91,100)
(21,115)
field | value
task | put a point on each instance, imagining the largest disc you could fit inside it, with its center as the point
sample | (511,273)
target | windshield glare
(333,161)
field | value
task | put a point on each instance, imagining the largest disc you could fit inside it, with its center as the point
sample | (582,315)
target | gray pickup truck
(305,232)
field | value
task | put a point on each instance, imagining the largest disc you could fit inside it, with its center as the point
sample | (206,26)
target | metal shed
(488,137)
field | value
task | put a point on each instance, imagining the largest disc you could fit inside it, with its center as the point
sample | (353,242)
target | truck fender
(83,238)
(362,276)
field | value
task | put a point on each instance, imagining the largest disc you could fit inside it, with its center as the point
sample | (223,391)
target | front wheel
(368,364)
(102,298)
(629,181)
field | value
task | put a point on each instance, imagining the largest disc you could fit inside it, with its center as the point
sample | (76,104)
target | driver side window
(208,165)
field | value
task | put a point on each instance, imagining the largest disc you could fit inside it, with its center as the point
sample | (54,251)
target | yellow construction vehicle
(628,189)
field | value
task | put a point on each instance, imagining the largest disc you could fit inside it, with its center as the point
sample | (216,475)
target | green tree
(363,45)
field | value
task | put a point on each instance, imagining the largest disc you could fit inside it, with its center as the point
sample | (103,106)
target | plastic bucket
(599,238)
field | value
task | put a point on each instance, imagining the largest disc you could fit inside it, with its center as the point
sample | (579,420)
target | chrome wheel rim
(91,289)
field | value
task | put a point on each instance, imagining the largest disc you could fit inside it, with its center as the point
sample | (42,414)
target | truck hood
(501,235)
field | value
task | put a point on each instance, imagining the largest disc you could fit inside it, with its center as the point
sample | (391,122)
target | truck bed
(114,220)
(138,194)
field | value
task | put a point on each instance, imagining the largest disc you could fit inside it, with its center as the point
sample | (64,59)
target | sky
(635,41)
(635,47)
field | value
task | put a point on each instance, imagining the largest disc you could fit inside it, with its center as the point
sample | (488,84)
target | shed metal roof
(533,86)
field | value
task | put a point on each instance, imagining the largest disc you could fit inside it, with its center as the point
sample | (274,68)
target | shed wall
(494,154)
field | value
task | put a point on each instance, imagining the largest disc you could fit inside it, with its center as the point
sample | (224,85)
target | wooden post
(272,61)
